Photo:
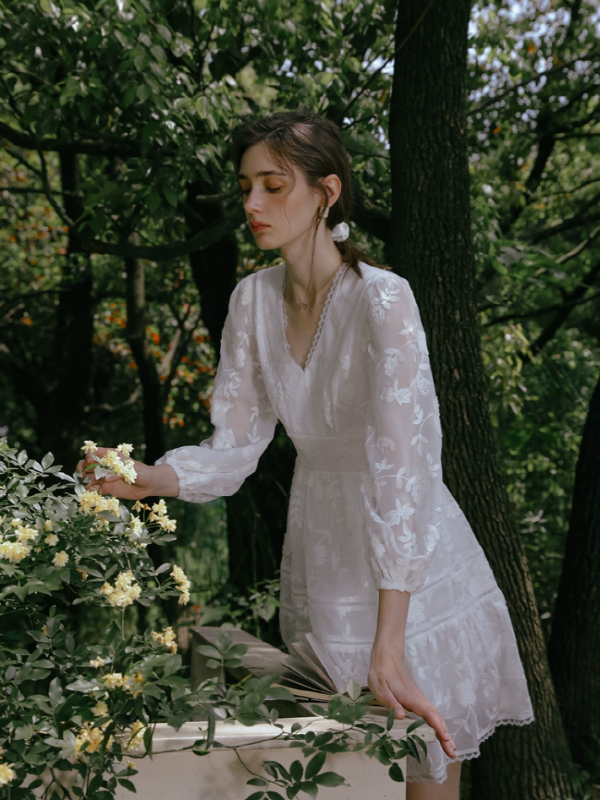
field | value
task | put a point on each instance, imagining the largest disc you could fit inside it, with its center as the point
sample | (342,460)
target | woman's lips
(258,226)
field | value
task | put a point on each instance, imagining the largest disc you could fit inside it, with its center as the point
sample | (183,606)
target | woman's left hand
(391,683)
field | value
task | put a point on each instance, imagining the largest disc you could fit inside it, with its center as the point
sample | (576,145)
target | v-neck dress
(368,507)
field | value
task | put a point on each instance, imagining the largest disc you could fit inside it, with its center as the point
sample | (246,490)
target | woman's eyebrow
(262,173)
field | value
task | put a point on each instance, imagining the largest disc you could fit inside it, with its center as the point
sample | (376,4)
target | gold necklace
(305,305)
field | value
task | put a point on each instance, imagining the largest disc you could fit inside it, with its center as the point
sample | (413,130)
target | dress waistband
(343,453)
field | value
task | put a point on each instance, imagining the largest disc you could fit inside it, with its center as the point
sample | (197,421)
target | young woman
(381,571)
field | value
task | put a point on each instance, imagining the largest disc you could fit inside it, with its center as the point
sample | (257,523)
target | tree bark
(149,378)
(431,244)
(575,639)
(61,422)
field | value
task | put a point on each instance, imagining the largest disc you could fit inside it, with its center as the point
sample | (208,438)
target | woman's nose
(252,202)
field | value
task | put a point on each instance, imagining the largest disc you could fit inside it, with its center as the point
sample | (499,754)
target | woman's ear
(333,187)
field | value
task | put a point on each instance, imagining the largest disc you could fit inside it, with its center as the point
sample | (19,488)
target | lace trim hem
(317,336)
(469,755)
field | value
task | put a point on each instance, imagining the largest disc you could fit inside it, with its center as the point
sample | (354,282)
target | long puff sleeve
(241,412)
(404,440)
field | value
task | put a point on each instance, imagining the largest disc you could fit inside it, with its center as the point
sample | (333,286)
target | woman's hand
(390,682)
(151,481)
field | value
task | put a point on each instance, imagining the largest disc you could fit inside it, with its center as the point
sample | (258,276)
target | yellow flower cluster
(7,774)
(97,662)
(125,591)
(112,461)
(159,515)
(182,584)
(93,737)
(100,709)
(136,736)
(131,683)
(14,551)
(51,539)
(167,638)
(23,533)
(94,503)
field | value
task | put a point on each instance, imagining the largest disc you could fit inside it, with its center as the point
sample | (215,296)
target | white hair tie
(340,233)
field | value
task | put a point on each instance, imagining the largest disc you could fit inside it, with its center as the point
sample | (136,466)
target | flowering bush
(90,710)
(65,705)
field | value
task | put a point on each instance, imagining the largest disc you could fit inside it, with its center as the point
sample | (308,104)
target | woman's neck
(308,272)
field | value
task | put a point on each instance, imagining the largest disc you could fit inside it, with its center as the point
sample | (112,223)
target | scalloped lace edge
(322,316)
(469,755)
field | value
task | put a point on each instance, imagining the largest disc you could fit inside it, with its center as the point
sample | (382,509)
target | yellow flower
(125,449)
(125,469)
(131,764)
(136,735)
(60,559)
(97,662)
(51,539)
(48,525)
(167,638)
(125,591)
(14,551)
(139,506)
(100,709)
(89,446)
(45,631)
(83,574)
(93,737)
(131,683)
(24,534)
(182,584)
(7,774)
(113,680)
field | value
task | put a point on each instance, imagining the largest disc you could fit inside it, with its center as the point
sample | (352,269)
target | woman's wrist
(162,482)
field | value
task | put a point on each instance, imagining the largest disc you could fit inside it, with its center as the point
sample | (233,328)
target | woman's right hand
(151,481)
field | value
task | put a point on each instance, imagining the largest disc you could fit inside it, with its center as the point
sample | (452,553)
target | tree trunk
(147,371)
(69,378)
(575,639)
(431,244)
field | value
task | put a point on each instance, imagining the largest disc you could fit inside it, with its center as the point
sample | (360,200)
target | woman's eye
(244,191)
(273,189)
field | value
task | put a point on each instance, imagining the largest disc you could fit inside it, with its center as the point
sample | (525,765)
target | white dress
(368,507)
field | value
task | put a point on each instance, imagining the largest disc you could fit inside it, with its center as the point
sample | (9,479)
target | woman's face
(279,209)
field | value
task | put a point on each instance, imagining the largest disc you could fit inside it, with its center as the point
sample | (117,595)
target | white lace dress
(368,508)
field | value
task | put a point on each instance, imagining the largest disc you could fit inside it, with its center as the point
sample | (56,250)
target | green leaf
(353,690)
(143,92)
(296,770)
(414,725)
(127,784)
(55,692)
(257,782)
(256,796)
(396,773)
(390,719)
(315,765)
(331,779)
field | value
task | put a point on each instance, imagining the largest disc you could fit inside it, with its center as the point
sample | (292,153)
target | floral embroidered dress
(368,507)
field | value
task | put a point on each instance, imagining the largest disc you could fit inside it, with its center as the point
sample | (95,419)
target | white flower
(51,539)
(60,559)
(7,774)
(125,449)
(89,446)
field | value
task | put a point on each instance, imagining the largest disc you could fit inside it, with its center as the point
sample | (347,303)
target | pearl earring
(325,212)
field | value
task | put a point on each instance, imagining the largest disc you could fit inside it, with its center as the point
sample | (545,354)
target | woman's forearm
(163,482)
(391,620)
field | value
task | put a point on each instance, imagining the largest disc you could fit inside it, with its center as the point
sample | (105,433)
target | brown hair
(314,145)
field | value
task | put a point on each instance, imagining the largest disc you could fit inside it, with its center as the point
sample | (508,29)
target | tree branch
(539,312)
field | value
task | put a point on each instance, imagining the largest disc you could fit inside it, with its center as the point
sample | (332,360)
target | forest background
(473,135)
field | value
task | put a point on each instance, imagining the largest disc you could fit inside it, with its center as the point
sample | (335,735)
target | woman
(381,571)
